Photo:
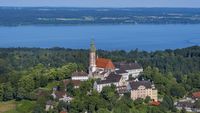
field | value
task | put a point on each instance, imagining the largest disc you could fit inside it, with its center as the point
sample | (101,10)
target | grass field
(24,106)
(7,106)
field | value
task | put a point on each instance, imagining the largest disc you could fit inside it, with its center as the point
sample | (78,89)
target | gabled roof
(136,84)
(79,74)
(112,78)
(104,63)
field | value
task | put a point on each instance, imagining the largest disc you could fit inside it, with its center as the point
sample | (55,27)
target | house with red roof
(196,95)
(155,103)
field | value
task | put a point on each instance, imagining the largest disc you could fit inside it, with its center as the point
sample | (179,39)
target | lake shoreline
(106,24)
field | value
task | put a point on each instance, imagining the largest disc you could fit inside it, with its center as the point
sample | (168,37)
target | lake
(108,37)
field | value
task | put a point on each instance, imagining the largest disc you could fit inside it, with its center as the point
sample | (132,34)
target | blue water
(108,37)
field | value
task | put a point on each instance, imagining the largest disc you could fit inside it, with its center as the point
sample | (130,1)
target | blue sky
(103,3)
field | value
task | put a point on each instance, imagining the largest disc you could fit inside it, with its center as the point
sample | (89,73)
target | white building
(142,89)
(111,79)
(82,76)
(128,69)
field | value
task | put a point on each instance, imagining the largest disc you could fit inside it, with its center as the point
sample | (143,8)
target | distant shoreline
(18,16)
(108,24)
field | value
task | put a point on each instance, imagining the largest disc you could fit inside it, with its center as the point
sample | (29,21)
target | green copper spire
(92,46)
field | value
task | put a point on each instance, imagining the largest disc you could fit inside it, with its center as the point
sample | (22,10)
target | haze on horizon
(102,3)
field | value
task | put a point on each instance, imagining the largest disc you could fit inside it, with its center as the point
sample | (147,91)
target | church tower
(92,60)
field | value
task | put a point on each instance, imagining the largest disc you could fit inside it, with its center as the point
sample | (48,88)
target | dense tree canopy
(24,70)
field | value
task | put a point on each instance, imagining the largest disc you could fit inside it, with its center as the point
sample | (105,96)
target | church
(99,67)
(102,67)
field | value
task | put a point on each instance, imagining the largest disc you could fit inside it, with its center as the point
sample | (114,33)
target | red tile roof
(155,103)
(196,94)
(104,63)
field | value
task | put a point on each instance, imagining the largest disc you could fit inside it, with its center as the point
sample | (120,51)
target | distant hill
(15,16)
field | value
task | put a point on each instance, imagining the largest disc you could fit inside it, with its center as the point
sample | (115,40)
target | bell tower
(92,59)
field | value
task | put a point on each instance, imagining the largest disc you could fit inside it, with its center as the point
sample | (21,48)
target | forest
(23,71)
